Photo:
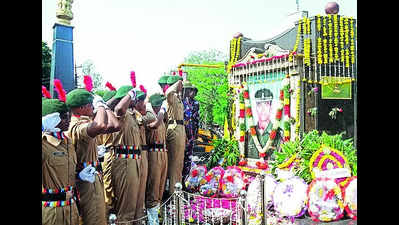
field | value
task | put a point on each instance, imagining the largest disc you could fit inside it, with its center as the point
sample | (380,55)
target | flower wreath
(325,200)
(245,109)
(290,197)
(349,192)
(328,158)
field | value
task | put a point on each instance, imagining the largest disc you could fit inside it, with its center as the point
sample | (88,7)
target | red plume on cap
(45,92)
(133,78)
(165,88)
(88,83)
(181,73)
(61,92)
(110,87)
(143,89)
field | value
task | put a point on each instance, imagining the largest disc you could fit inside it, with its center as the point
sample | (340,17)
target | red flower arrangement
(253,131)
(272,134)
(249,111)
(262,165)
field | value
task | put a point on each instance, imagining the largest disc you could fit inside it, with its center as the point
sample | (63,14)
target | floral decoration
(325,200)
(290,198)
(349,192)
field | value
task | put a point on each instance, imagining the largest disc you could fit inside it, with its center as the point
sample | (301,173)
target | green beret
(108,95)
(263,94)
(173,79)
(140,95)
(122,91)
(78,97)
(156,100)
(163,80)
(53,105)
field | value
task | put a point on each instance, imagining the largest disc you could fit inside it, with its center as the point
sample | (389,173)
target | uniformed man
(105,157)
(90,117)
(263,98)
(143,118)
(175,133)
(58,166)
(163,82)
(126,167)
(157,161)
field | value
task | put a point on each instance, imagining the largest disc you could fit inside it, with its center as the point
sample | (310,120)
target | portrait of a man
(263,108)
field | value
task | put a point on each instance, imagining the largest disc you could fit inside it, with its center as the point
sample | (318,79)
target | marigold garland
(298,105)
(298,37)
(234,52)
(287,97)
(328,154)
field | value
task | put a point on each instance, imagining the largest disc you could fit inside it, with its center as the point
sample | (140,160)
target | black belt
(181,122)
(145,147)
(53,197)
(127,151)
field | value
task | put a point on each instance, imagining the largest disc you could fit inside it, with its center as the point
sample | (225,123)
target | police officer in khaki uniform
(126,167)
(58,166)
(105,157)
(90,117)
(157,161)
(175,133)
(143,118)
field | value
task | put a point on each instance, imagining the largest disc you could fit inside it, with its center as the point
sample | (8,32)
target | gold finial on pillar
(64,12)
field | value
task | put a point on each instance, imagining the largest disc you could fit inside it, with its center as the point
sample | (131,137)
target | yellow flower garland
(341,39)
(298,37)
(298,109)
(288,162)
(336,55)
(330,39)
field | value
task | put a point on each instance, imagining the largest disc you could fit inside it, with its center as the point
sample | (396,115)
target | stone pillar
(62,62)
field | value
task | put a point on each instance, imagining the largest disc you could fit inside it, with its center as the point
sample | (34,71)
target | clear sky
(153,36)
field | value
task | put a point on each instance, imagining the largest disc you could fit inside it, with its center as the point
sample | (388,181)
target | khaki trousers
(64,215)
(175,143)
(106,165)
(143,162)
(126,182)
(92,203)
(157,171)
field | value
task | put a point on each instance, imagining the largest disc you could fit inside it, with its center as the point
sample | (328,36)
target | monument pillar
(62,61)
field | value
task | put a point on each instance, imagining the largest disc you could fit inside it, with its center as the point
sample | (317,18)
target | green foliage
(88,68)
(310,143)
(226,150)
(46,65)
(212,85)
(100,92)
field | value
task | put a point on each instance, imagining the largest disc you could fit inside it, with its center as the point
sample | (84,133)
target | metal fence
(189,209)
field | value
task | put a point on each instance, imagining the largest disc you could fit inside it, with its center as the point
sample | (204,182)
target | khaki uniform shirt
(58,162)
(174,106)
(157,135)
(130,131)
(86,146)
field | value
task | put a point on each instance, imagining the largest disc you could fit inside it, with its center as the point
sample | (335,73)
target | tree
(88,68)
(212,86)
(46,65)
